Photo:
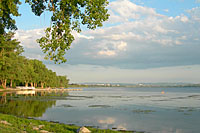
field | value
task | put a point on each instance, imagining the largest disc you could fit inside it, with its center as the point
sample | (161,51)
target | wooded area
(16,69)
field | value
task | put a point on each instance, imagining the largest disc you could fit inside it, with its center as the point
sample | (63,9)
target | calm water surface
(142,109)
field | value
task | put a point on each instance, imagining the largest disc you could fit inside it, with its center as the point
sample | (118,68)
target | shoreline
(39,89)
(12,124)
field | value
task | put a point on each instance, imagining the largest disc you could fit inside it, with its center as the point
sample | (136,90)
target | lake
(157,110)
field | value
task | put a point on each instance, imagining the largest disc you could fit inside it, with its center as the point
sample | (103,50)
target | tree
(63,81)
(8,8)
(39,68)
(67,15)
(9,50)
(14,67)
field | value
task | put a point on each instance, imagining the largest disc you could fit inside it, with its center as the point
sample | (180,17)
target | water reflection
(112,123)
(142,109)
(28,103)
(26,93)
(108,120)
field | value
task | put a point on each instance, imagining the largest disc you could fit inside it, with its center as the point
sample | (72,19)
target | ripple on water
(99,106)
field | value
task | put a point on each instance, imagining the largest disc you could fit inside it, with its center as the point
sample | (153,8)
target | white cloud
(160,29)
(128,10)
(123,36)
(148,38)
(166,10)
(107,53)
(28,41)
(121,46)
(28,37)
(184,19)
(85,37)
(109,48)
(37,56)
(139,38)
(178,42)
(197,1)
(125,10)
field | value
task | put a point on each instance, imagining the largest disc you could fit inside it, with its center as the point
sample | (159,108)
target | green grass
(23,125)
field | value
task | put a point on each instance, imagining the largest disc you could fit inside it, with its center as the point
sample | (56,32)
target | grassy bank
(12,124)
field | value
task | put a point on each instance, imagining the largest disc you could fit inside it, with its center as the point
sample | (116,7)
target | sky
(143,41)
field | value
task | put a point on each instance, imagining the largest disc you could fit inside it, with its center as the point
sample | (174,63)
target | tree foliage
(15,68)
(8,8)
(9,51)
(67,15)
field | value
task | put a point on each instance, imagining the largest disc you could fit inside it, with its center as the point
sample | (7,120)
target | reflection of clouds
(172,130)
(179,131)
(108,120)
(122,127)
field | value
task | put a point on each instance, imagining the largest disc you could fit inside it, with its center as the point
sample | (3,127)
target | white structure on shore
(25,88)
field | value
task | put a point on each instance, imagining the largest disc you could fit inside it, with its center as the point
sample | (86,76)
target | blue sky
(143,41)
(28,20)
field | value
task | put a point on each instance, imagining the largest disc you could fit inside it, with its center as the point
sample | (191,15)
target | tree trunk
(34,84)
(4,83)
(42,85)
(11,83)
(31,84)
(26,84)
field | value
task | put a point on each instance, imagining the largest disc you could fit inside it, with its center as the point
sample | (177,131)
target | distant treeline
(133,86)
(16,70)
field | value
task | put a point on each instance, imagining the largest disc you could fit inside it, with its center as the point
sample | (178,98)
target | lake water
(156,110)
